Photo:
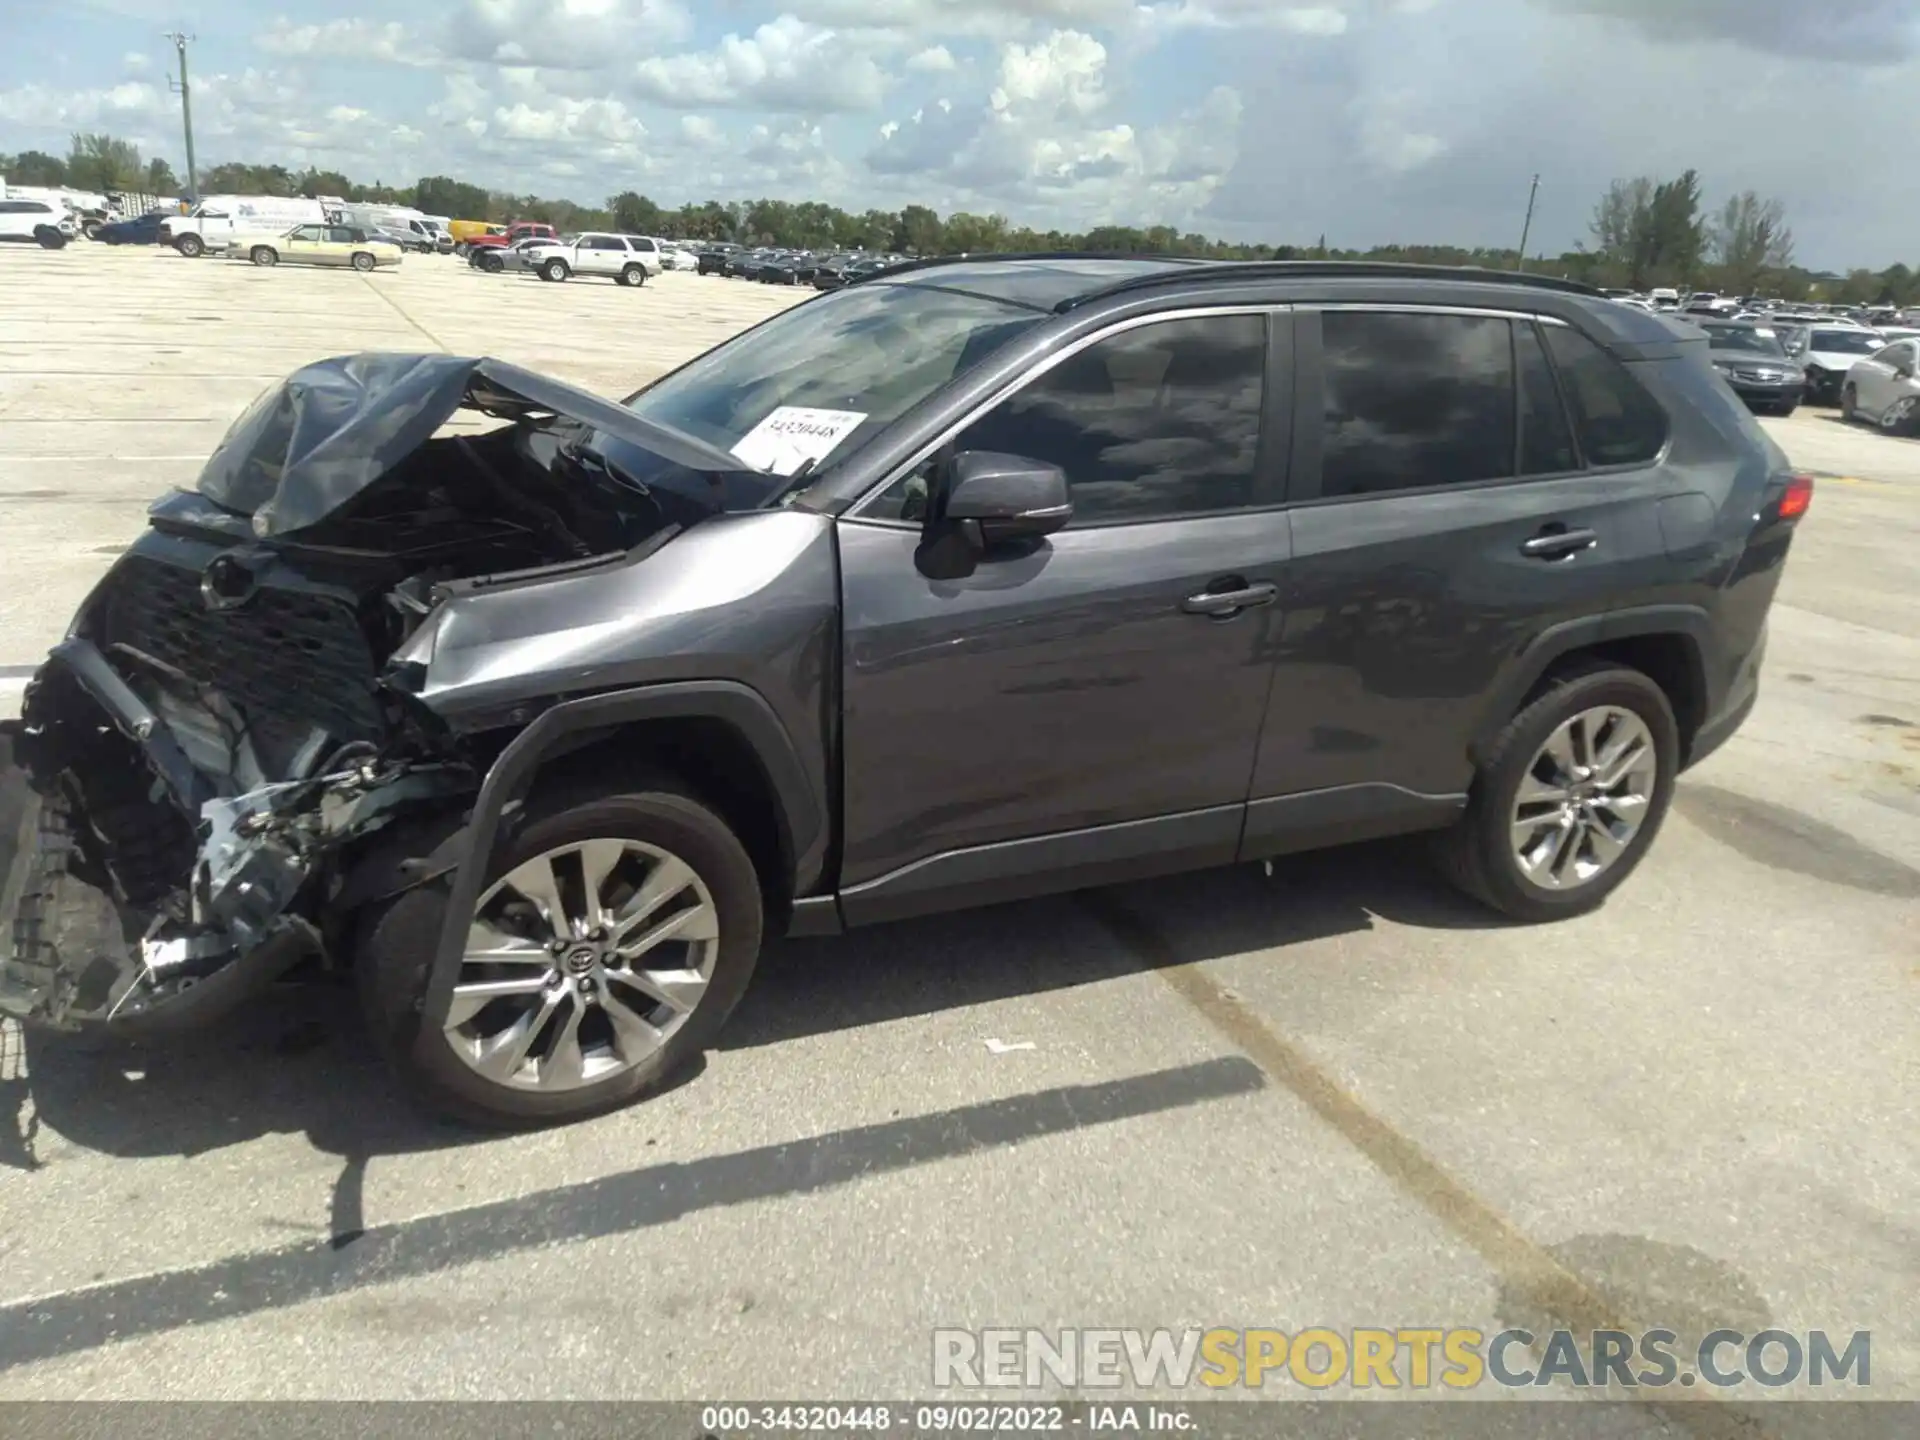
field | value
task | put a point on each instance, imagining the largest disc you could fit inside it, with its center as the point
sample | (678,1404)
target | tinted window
(341,236)
(1546,440)
(1161,420)
(1618,423)
(1414,401)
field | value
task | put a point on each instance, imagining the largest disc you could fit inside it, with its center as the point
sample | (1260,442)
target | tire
(1849,405)
(1786,411)
(633,275)
(1477,854)
(50,238)
(191,246)
(363,262)
(397,941)
(555,270)
(264,256)
(1902,417)
(492,264)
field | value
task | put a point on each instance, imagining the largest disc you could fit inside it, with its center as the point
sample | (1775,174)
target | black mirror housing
(995,498)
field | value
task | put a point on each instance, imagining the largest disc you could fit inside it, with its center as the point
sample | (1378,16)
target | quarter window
(1618,422)
(1415,401)
(1158,421)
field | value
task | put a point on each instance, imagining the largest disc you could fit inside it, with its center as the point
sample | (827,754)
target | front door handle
(1559,544)
(1222,603)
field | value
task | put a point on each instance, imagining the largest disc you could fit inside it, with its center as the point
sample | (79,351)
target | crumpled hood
(327,432)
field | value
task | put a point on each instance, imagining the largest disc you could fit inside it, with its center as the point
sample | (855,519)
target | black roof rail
(979,257)
(1342,269)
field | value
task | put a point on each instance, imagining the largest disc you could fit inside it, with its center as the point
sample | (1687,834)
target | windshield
(1846,342)
(859,358)
(1733,337)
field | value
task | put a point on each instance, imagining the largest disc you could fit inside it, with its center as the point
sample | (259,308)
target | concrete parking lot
(1336,1095)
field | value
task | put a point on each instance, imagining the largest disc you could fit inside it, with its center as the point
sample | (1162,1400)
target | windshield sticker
(792,435)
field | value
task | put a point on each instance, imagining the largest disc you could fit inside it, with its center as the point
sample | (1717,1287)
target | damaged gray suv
(971,581)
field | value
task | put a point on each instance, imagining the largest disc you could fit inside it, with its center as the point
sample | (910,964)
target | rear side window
(1415,401)
(1546,440)
(1618,422)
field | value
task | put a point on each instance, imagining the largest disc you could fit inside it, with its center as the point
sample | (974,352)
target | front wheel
(554,270)
(612,940)
(1901,417)
(191,246)
(1569,797)
(362,261)
(1849,405)
(264,255)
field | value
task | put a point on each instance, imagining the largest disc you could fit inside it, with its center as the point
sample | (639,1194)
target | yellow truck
(465,230)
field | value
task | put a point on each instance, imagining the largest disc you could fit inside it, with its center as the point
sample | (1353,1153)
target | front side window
(1158,421)
(1618,422)
(1415,401)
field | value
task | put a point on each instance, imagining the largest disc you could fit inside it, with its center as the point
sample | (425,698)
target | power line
(180,41)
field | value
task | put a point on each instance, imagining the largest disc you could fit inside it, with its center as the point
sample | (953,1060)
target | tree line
(1644,231)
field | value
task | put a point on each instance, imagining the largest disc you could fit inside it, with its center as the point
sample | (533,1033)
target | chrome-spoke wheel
(1897,416)
(1584,798)
(581,963)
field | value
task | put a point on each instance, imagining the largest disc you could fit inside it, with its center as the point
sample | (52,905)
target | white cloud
(347,39)
(1065,72)
(701,132)
(934,60)
(563,35)
(785,65)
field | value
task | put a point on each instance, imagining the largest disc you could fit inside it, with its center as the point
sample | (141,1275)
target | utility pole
(1527,229)
(180,40)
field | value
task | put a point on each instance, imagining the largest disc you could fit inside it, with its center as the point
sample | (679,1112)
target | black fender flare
(1558,641)
(802,817)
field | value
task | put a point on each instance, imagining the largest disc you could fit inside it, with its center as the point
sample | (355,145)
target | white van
(210,225)
(404,223)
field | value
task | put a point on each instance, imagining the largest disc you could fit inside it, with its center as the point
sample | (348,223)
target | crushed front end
(204,758)
(188,774)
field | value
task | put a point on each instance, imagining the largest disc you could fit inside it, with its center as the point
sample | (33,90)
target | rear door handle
(1558,544)
(1222,603)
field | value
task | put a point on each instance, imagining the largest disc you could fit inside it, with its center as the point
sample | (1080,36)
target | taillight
(1799,496)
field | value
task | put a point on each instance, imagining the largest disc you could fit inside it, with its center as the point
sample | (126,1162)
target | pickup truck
(518,230)
(629,259)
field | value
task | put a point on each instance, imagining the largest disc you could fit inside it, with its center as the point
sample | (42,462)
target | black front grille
(287,653)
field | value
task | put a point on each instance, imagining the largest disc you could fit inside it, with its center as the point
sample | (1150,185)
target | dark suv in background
(970,581)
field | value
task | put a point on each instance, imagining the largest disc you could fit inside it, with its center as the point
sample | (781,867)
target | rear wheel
(264,255)
(554,270)
(633,275)
(492,264)
(1570,796)
(49,238)
(362,261)
(611,942)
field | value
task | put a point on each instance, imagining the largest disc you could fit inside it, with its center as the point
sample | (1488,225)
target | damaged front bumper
(142,888)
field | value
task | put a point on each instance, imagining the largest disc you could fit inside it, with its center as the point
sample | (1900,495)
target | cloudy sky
(1367,120)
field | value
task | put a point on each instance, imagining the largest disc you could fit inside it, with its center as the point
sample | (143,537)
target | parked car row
(822,269)
(626,259)
(1869,374)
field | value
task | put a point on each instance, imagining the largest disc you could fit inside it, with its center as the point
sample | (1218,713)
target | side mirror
(994,499)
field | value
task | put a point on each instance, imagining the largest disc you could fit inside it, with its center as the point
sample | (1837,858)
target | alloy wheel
(581,963)
(1584,798)
(1897,416)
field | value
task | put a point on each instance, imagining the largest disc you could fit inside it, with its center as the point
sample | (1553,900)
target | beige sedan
(317,245)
